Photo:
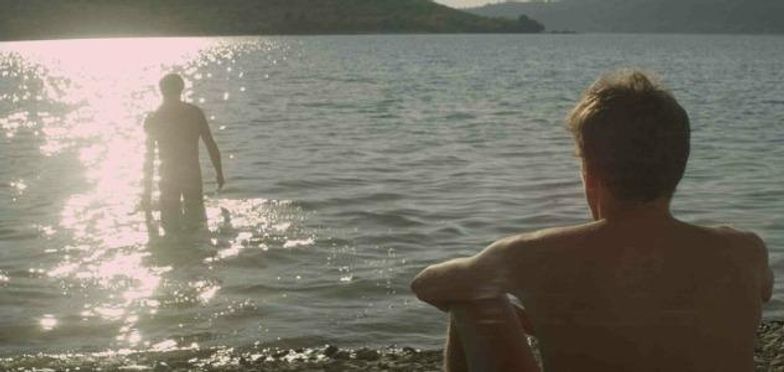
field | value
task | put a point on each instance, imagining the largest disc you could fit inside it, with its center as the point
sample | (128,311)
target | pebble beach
(769,357)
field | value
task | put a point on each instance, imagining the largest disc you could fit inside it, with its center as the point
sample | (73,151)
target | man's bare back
(657,295)
(177,128)
(635,290)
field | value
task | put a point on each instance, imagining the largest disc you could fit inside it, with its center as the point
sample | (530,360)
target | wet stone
(331,350)
(161,367)
(367,354)
(329,358)
(336,366)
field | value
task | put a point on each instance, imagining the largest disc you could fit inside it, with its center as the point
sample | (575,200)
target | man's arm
(483,276)
(212,148)
(767,289)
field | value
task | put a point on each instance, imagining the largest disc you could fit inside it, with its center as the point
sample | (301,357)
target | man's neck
(171,100)
(614,211)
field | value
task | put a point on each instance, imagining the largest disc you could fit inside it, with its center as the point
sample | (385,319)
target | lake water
(352,162)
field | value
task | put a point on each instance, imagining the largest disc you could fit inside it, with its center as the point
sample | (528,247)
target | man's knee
(482,311)
(492,336)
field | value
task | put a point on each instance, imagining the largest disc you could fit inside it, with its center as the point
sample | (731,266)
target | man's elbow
(212,147)
(767,291)
(417,285)
(422,285)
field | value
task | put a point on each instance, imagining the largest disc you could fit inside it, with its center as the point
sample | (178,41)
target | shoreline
(768,357)
(273,34)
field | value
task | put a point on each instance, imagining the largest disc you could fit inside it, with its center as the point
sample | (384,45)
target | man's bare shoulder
(530,258)
(741,242)
(731,232)
(550,237)
(191,108)
(725,243)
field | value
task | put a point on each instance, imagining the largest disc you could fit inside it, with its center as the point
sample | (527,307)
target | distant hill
(42,19)
(666,16)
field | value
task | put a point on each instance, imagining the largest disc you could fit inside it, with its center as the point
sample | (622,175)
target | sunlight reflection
(93,96)
(48,322)
(208,292)
(256,224)
(167,345)
(19,186)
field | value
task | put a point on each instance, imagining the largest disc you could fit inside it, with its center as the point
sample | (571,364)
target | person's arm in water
(149,161)
(212,148)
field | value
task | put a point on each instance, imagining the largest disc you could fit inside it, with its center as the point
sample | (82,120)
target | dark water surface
(351,162)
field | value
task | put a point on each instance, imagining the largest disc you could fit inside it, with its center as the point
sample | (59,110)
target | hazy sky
(466,3)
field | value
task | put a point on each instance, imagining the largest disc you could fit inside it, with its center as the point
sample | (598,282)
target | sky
(466,3)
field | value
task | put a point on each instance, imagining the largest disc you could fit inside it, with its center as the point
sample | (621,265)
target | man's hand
(220,180)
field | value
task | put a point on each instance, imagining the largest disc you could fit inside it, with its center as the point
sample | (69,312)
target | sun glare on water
(90,97)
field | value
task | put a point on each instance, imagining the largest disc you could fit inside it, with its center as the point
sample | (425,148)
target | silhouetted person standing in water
(175,128)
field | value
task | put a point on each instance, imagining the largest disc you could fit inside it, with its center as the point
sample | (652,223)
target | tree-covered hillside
(37,19)
(671,16)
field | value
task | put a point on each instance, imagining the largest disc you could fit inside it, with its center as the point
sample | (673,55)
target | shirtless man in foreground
(176,128)
(634,290)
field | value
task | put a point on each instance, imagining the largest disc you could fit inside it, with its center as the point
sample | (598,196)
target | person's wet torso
(176,127)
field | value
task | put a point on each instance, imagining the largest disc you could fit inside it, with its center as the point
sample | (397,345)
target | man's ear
(591,184)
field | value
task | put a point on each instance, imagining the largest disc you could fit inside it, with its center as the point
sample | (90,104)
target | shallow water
(352,162)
